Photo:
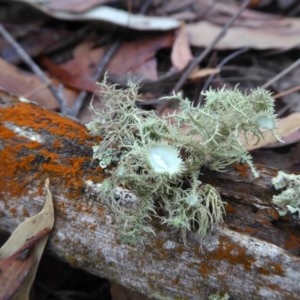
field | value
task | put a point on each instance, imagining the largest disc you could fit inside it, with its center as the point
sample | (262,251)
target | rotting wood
(254,255)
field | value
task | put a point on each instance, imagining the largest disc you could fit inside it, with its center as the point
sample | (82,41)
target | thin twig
(287,92)
(284,93)
(68,42)
(198,59)
(98,74)
(282,73)
(100,70)
(57,93)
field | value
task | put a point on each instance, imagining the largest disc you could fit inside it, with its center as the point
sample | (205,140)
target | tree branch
(255,253)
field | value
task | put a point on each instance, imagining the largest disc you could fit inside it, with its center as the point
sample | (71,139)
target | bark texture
(254,255)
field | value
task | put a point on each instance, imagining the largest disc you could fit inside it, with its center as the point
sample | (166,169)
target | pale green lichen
(289,198)
(159,159)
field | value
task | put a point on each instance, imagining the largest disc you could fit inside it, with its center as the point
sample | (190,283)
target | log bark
(254,255)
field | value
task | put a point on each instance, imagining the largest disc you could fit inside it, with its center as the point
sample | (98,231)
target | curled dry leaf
(197,74)
(110,15)
(282,33)
(20,255)
(75,81)
(75,6)
(181,52)
(285,127)
(135,57)
(24,84)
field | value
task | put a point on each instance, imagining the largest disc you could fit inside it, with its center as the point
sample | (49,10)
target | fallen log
(254,255)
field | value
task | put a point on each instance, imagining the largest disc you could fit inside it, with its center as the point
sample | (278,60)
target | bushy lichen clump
(289,198)
(153,163)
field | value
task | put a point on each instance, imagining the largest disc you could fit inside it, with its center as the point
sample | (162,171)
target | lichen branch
(159,162)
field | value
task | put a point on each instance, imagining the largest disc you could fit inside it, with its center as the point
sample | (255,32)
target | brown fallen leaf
(15,268)
(109,14)
(75,6)
(34,40)
(285,127)
(25,84)
(260,33)
(131,57)
(181,53)
(20,255)
(75,81)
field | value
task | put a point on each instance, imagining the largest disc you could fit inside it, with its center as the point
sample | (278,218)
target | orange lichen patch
(33,116)
(159,245)
(6,133)
(176,280)
(83,207)
(232,253)
(292,241)
(242,168)
(227,252)
(13,210)
(272,214)
(11,164)
(180,249)
(92,227)
(248,230)
(64,155)
(271,269)
(60,207)
(230,209)
(57,144)
(275,287)
(236,255)
(101,211)
(25,213)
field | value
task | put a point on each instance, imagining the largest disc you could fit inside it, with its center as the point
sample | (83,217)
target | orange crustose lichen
(64,155)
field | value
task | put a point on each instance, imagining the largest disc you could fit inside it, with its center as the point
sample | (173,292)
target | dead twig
(57,92)
(282,73)
(198,59)
(101,68)
(98,74)
(69,42)
(287,92)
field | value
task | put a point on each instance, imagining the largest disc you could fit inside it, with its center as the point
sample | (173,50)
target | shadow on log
(254,255)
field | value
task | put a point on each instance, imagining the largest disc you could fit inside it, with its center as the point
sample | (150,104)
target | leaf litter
(155,49)
(20,255)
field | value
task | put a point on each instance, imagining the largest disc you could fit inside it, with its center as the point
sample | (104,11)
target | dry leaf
(20,255)
(34,40)
(110,15)
(197,74)
(181,53)
(75,6)
(285,127)
(131,57)
(282,33)
(24,84)
(75,81)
